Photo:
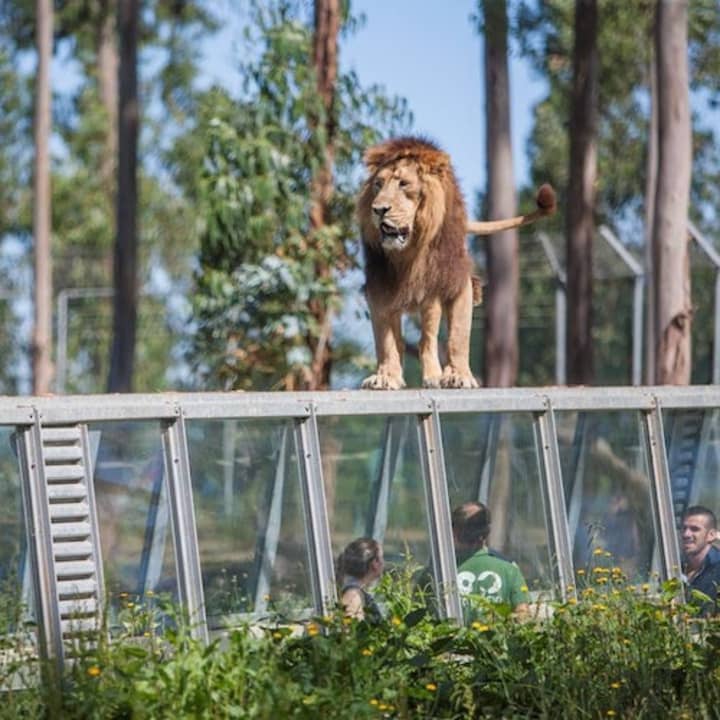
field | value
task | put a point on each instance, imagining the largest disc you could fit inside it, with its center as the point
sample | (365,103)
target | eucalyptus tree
(502,264)
(268,276)
(42,331)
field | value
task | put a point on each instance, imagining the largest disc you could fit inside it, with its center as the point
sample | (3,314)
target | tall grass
(614,651)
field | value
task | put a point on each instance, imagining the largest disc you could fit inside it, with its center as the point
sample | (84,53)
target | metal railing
(32,415)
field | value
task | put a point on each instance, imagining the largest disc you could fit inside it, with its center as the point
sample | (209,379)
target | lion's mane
(437,264)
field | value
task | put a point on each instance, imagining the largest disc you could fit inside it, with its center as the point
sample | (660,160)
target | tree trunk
(673,310)
(650,190)
(325,58)
(125,257)
(501,298)
(42,333)
(107,79)
(581,194)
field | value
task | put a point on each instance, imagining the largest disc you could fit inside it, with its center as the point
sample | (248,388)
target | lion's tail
(477,289)
(546,203)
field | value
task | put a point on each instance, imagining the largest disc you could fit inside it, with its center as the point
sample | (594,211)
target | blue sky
(429,53)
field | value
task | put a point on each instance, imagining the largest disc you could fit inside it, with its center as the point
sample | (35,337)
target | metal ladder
(683,443)
(58,477)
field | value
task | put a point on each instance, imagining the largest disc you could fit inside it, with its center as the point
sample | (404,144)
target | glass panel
(15,580)
(492,458)
(692,441)
(374,486)
(607,491)
(250,518)
(133,514)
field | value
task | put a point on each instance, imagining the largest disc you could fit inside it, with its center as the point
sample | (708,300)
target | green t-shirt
(487,575)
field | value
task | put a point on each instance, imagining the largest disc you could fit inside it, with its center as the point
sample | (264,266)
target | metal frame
(301,410)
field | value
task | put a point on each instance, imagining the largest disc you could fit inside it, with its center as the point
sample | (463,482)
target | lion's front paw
(383,381)
(452,378)
(432,382)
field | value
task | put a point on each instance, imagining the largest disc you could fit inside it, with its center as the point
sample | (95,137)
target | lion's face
(396,193)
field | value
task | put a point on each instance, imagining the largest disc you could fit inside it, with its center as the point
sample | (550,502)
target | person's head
(361,559)
(471,525)
(699,531)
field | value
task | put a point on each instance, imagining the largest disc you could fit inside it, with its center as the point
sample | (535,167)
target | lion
(413,225)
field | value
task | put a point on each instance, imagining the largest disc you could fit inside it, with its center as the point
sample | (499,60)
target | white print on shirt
(466,582)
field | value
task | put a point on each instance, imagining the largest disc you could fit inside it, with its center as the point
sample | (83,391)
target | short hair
(707,513)
(471,523)
(355,559)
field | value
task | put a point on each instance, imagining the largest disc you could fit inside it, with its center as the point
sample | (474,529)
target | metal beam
(187,553)
(317,531)
(439,519)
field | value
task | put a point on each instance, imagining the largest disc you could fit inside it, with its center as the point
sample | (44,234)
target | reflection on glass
(607,492)
(15,579)
(492,458)
(374,485)
(692,442)
(133,516)
(250,518)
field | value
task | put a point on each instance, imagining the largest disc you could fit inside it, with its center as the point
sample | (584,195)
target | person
(483,572)
(701,559)
(359,567)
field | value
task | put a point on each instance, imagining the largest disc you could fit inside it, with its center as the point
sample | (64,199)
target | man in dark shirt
(701,560)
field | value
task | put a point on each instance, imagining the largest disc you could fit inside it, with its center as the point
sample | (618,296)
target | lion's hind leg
(430,317)
(456,373)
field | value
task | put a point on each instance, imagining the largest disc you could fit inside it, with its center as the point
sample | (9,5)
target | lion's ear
(374,157)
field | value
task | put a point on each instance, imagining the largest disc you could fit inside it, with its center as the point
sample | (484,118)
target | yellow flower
(645,587)
(366,652)
(601,580)
(396,621)
(149,593)
(373,701)
(598,551)
(599,606)
(615,685)
(570,588)
(382,706)
(277,635)
(313,629)
(523,588)
(94,671)
(611,713)
(432,687)
(480,627)
(580,572)
(607,554)
(131,604)
(347,621)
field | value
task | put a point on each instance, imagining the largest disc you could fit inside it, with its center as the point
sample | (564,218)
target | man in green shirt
(482,572)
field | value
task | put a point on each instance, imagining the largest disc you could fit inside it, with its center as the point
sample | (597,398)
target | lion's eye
(404,183)
(377,185)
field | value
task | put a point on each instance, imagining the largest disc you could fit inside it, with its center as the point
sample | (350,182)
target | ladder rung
(74,608)
(76,626)
(65,511)
(72,549)
(62,453)
(65,570)
(61,434)
(75,491)
(66,530)
(53,473)
(76,588)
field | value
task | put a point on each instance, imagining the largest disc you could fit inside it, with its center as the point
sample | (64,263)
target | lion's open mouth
(393,237)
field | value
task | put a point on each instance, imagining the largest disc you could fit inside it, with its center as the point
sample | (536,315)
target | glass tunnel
(235,505)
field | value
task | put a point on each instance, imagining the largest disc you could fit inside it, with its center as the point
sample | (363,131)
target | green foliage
(614,651)
(265,279)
